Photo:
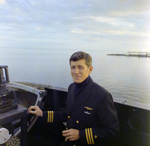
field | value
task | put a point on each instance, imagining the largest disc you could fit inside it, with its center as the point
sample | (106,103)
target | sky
(115,25)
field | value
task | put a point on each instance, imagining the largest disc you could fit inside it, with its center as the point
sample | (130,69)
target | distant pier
(133,54)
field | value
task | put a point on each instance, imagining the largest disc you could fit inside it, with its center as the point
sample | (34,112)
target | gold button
(68,117)
(95,136)
(77,122)
(66,128)
(74,145)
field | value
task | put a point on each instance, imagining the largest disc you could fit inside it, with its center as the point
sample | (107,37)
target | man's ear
(91,68)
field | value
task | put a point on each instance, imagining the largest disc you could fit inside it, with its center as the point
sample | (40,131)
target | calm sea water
(125,78)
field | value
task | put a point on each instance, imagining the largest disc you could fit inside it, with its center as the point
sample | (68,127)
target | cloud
(90,20)
(2,2)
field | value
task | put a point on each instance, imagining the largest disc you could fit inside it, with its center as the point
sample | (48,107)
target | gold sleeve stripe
(89,136)
(50,116)
(92,139)
(86,134)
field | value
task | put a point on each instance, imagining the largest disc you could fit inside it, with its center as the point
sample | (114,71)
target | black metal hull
(134,121)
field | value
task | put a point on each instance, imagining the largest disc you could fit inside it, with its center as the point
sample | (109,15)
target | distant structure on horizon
(133,54)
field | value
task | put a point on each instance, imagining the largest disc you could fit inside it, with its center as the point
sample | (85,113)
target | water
(125,78)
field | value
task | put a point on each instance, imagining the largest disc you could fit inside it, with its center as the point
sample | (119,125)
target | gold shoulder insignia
(88,108)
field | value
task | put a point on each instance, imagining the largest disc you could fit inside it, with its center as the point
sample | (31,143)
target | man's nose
(76,70)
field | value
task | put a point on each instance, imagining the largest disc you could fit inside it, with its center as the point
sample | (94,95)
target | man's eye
(80,67)
(72,67)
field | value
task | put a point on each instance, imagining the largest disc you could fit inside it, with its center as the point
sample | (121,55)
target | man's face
(79,70)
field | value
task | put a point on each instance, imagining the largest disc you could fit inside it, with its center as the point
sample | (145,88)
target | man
(90,113)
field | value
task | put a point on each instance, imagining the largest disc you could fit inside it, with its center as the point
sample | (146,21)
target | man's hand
(71,134)
(35,110)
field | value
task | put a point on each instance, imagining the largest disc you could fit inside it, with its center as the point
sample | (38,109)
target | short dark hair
(81,55)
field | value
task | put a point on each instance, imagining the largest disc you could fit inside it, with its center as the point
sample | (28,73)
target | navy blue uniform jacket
(92,113)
